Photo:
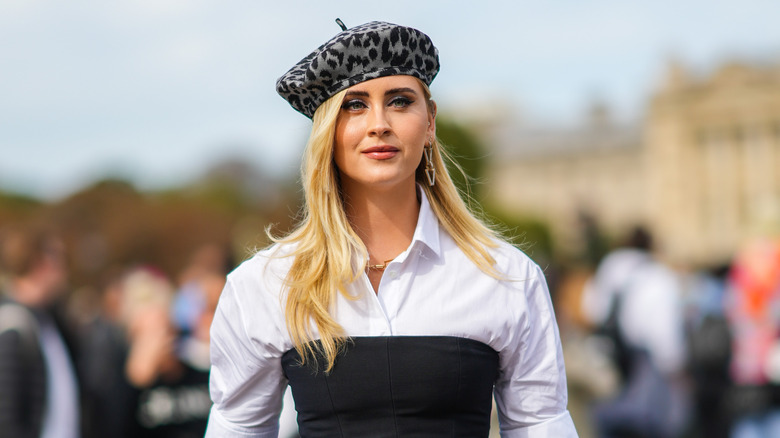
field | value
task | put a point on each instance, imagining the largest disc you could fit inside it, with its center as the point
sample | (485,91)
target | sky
(157,91)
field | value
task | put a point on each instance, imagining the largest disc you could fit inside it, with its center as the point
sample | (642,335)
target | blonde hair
(327,251)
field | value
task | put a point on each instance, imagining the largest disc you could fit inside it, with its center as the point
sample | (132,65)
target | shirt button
(393,274)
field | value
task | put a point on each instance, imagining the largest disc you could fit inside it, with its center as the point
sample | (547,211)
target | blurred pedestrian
(108,396)
(195,301)
(635,302)
(753,303)
(39,393)
(709,352)
(172,398)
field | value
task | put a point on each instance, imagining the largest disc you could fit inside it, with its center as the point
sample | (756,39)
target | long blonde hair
(327,251)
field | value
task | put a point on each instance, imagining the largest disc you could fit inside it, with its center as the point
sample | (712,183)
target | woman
(390,310)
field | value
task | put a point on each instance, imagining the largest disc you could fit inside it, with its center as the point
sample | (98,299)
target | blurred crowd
(652,351)
(655,351)
(127,358)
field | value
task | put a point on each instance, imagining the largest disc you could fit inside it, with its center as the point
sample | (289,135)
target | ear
(432,119)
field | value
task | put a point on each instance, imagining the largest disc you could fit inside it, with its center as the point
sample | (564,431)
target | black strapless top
(398,386)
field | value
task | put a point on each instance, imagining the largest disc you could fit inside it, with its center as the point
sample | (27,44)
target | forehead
(388,83)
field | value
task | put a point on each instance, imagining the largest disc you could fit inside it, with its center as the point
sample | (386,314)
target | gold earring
(430,171)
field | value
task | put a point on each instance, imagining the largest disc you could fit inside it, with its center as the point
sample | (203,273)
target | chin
(382,181)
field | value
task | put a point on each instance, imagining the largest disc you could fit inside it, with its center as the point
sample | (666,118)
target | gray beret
(364,52)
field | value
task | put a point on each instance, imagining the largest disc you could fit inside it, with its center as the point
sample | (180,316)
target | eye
(353,105)
(401,102)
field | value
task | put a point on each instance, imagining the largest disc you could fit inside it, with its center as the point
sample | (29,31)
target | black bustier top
(400,386)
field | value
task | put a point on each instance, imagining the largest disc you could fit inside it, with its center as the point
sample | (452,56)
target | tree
(464,147)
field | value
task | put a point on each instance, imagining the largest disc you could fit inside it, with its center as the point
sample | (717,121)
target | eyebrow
(357,93)
(387,93)
(399,90)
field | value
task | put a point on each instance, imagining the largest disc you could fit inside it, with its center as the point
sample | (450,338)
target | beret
(355,55)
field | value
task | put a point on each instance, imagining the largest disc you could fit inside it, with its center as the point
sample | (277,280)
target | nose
(378,124)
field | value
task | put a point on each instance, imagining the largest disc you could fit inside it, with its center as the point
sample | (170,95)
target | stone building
(701,171)
(713,146)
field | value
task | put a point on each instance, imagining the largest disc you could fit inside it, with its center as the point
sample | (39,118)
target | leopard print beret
(364,52)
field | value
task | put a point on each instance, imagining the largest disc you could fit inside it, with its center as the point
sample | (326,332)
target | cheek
(348,131)
(417,132)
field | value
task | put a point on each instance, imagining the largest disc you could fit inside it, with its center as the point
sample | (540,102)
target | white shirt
(62,400)
(433,289)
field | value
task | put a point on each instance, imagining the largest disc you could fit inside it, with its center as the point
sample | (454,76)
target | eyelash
(405,101)
(350,104)
(357,104)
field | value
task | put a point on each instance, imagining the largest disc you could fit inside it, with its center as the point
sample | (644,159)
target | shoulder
(513,270)
(250,311)
(511,263)
(524,283)
(18,332)
(514,264)
(264,272)
(254,293)
(623,260)
(15,317)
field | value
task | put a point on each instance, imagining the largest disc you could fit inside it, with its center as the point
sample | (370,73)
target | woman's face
(381,130)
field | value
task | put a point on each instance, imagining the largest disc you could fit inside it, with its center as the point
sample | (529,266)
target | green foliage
(465,149)
(221,195)
(13,201)
(112,184)
(18,208)
(529,234)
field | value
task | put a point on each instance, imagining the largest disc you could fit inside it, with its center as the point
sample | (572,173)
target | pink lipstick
(383,152)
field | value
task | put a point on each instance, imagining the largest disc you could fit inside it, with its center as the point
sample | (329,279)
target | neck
(384,220)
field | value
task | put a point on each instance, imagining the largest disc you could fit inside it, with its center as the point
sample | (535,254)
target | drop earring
(430,171)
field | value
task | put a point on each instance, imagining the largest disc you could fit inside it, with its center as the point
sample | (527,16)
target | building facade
(714,145)
(702,171)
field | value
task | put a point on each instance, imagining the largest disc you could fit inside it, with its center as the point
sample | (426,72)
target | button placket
(389,288)
(380,323)
(397,285)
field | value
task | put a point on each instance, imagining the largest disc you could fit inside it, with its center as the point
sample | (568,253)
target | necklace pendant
(379,267)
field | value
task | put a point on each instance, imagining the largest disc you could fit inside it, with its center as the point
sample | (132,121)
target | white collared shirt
(433,289)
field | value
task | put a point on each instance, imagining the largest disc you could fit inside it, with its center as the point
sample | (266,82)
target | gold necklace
(379,267)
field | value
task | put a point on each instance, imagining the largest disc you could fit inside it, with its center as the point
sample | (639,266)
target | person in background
(145,375)
(104,347)
(635,302)
(39,391)
(709,351)
(172,398)
(753,313)
(200,284)
(201,298)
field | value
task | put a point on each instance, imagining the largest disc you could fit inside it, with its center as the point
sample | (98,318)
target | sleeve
(246,382)
(530,392)
(14,352)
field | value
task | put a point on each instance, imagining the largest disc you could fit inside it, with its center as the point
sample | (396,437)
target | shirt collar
(427,229)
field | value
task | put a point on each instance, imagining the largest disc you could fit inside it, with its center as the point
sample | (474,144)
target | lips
(383,152)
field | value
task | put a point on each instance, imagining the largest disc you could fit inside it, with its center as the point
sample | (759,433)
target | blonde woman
(390,310)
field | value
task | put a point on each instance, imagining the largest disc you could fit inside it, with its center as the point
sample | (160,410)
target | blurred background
(148,135)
